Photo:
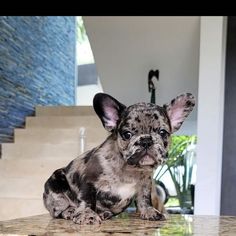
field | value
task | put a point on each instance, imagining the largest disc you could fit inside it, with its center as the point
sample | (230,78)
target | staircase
(50,140)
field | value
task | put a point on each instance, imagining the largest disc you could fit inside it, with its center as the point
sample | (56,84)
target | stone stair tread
(43,150)
(64,110)
(24,187)
(60,135)
(30,168)
(12,208)
(63,121)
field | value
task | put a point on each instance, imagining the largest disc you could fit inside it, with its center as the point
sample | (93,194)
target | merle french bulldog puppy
(102,182)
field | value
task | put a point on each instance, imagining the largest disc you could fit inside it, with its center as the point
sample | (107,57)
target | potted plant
(180,166)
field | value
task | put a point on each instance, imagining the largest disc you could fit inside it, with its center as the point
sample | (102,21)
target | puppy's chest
(116,197)
(124,190)
(116,188)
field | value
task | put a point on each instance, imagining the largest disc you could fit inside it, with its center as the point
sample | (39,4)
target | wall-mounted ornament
(151,85)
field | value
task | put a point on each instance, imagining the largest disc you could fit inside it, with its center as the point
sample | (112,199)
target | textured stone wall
(37,67)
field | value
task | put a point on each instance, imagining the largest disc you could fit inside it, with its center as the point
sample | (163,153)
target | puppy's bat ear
(178,109)
(108,109)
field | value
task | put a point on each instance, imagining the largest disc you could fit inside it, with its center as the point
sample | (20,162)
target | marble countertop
(122,225)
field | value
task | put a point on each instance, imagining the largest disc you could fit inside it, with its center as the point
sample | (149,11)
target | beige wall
(126,48)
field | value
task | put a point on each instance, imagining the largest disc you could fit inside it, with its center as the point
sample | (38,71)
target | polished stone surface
(123,225)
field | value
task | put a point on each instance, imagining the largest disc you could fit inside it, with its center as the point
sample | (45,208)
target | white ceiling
(126,48)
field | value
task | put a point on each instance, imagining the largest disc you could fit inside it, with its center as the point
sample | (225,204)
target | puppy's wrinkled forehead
(144,117)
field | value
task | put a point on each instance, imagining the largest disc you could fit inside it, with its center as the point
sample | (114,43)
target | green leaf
(180,166)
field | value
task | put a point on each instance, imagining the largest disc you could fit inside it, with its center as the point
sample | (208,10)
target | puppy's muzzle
(146,142)
(142,157)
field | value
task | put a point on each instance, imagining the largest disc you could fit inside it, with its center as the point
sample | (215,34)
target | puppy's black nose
(146,142)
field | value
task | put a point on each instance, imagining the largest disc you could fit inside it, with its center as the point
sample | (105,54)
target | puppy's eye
(127,135)
(163,133)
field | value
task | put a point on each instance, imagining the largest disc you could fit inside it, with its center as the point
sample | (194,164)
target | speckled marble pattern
(123,225)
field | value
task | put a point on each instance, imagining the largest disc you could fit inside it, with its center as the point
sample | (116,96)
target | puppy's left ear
(108,109)
(178,110)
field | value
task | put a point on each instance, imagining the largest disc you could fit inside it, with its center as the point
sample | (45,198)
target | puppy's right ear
(108,109)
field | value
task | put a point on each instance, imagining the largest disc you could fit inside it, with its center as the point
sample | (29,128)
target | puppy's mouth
(147,160)
(143,158)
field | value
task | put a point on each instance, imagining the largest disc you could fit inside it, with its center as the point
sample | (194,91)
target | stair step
(51,140)
(58,136)
(20,168)
(25,187)
(64,111)
(12,208)
(63,122)
(66,151)
(25,179)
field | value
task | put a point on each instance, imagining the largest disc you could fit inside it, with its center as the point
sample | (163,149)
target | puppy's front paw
(152,214)
(87,217)
(68,214)
(106,215)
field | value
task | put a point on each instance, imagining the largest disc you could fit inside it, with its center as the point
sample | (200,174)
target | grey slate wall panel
(37,67)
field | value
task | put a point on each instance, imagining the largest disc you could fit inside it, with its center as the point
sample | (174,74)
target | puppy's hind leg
(56,204)
(55,196)
(59,206)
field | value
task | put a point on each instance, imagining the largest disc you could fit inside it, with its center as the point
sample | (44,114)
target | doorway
(88,80)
